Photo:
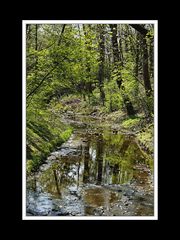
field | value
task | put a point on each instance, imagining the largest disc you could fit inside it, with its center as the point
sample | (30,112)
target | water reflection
(98,197)
(104,158)
(86,157)
(92,160)
(99,158)
(57,182)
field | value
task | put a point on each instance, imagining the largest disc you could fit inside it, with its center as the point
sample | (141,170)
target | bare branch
(45,77)
(139,28)
(60,38)
(41,82)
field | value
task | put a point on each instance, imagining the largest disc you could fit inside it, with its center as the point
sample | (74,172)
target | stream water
(97,172)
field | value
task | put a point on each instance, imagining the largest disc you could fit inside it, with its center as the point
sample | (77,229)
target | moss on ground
(130,123)
(42,149)
(44,132)
(146,137)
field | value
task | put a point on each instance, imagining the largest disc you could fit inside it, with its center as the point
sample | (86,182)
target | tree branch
(139,28)
(41,82)
(31,54)
(43,79)
(64,25)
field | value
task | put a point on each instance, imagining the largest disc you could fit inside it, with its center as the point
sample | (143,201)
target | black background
(12,97)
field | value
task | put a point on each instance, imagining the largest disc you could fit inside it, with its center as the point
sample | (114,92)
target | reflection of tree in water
(57,182)
(121,155)
(99,158)
(124,147)
(57,176)
(113,163)
(115,174)
(86,157)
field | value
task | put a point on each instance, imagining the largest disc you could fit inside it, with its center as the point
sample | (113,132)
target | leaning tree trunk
(147,83)
(146,77)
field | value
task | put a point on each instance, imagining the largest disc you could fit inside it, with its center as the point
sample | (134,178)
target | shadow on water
(96,172)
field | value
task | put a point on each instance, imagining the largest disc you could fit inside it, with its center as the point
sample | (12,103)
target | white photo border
(24,216)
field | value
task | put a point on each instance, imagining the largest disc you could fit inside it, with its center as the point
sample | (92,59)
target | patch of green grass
(131,122)
(40,154)
(146,137)
(116,116)
(29,166)
(66,134)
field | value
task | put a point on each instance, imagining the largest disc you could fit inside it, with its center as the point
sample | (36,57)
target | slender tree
(146,77)
(118,63)
(102,61)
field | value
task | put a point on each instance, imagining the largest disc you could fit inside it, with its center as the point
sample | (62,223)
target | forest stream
(98,172)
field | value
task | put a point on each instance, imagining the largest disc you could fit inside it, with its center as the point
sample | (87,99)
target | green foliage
(40,145)
(114,100)
(66,134)
(131,122)
(44,131)
(29,166)
(146,137)
(117,140)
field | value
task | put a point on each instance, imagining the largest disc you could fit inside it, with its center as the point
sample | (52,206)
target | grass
(39,155)
(146,137)
(43,134)
(131,122)
(144,131)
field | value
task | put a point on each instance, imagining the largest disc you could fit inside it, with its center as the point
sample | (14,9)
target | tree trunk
(151,58)
(118,63)
(36,48)
(136,70)
(147,83)
(115,43)
(101,64)
(88,84)
(60,37)
(28,31)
